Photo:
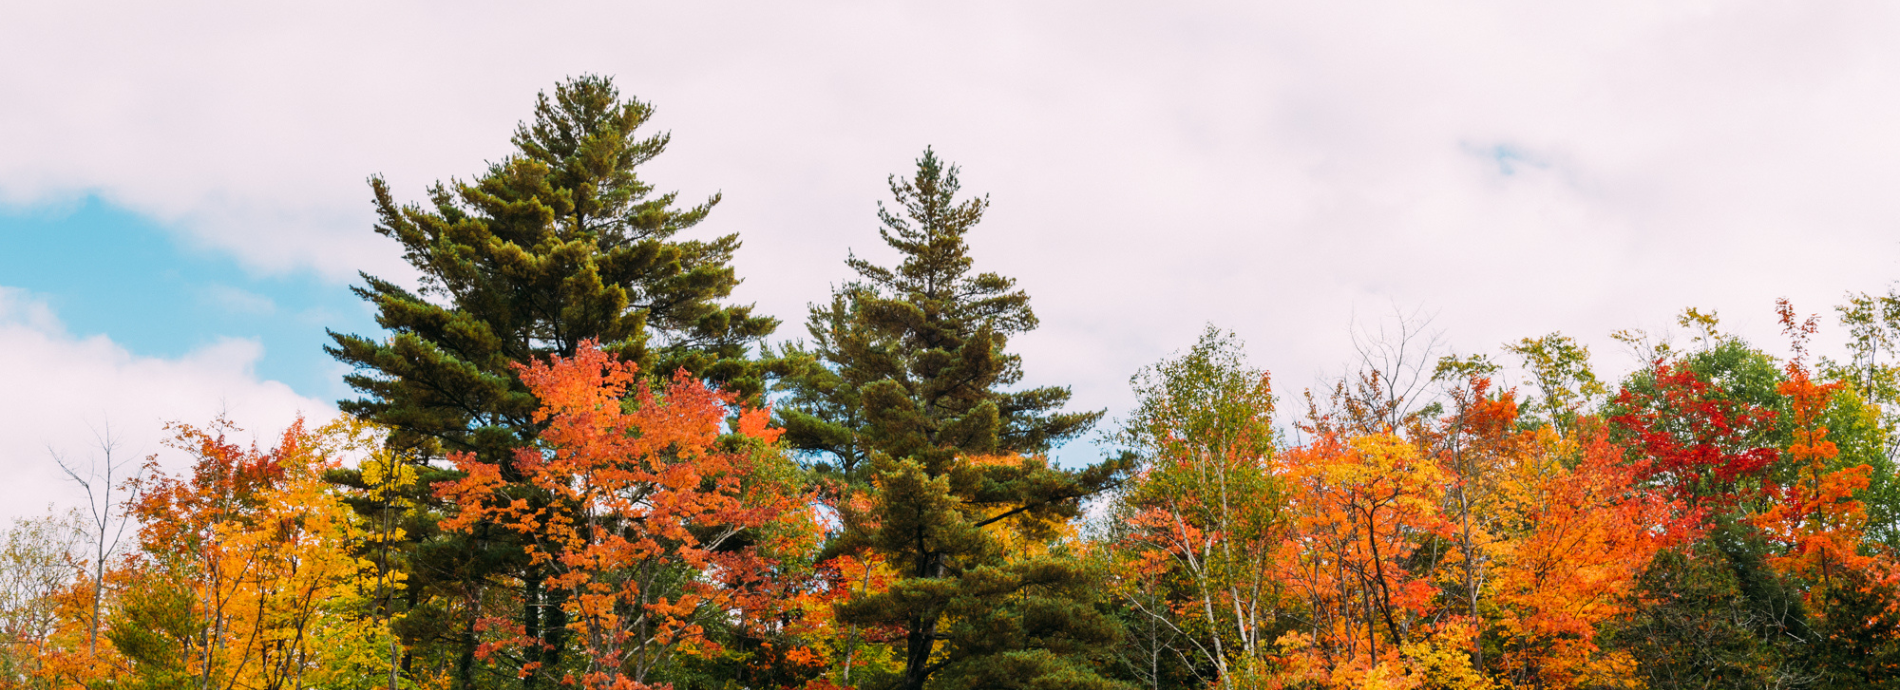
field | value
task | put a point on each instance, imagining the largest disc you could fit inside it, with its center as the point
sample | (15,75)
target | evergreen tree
(904,392)
(558,243)
(913,358)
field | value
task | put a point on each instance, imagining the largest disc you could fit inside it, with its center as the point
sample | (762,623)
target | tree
(1865,416)
(244,577)
(105,528)
(910,361)
(1573,534)
(656,528)
(1475,444)
(1561,369)
(1365,506)
(1708,447)
(903,391)
(1206,509)
(559,243)
(36,564)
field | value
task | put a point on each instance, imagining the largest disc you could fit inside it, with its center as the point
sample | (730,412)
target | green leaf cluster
(903,393)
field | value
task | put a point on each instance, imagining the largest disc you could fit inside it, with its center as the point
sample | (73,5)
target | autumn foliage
(1471,547)
(566,471)
(1468,547)
(651,522)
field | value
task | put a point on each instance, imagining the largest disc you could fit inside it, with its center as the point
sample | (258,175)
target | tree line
(573,462)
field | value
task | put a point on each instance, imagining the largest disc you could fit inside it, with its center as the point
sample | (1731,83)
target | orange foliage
(1364,505)
(1815,518)
(1578,534)
(243,557)
(1406,560)
(627,494)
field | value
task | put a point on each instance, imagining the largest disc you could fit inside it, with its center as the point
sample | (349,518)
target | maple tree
(1365,505)
(1814,517)
(1699,443)
(1574,535)
(561,472)
(654,526)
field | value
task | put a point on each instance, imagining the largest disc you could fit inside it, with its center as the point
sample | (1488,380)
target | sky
(183,205)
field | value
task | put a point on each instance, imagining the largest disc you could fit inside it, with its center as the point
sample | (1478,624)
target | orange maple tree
(1364,505)
(1576,531)
(638,485)
(1815,517)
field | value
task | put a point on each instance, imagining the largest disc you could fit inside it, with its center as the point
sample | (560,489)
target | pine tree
(913,358)
(558,243)
(904,392)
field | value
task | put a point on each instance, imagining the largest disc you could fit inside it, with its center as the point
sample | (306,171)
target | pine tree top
(929,231)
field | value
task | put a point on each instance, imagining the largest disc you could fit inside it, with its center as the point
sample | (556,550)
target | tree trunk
(922,638)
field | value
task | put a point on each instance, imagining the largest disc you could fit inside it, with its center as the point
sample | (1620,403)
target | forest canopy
(573,461)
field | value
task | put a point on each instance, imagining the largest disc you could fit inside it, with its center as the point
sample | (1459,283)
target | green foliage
(152,630)
(36,563)
(1560,367)
(1203,431)
(966,605)
(1697,628)
(1857,643)
(559,243)
(1741,372)
(910,361)
(903,390)
(1209,397)
(1863,435)
(1873,328)
(1868,412)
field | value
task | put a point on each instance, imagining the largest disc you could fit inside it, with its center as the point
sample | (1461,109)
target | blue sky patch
(107,270)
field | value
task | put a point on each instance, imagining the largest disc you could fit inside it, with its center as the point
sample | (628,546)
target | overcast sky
(182,197)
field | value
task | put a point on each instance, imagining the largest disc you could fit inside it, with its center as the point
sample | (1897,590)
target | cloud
(65,393)
(1275,168)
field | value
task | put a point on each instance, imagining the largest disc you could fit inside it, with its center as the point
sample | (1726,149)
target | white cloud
(63,392)
(1272,167)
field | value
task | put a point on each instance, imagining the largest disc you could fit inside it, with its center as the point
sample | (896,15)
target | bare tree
(1392,374)
(102,476)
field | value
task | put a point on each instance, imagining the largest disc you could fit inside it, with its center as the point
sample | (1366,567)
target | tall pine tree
(905,393)
(913,360)
(558,243)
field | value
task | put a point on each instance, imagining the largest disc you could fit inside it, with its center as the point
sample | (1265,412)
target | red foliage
(1693,441)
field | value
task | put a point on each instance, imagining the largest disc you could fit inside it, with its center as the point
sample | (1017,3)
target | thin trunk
(922,637)
(465,660)
(1202,581)
(531,605)
(99,583)
(1470,550)
(1241,628)
(1384,599)
(465,663)
(851,640)
(384,599)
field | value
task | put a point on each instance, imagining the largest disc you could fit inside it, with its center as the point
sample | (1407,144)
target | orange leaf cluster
(630,483)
